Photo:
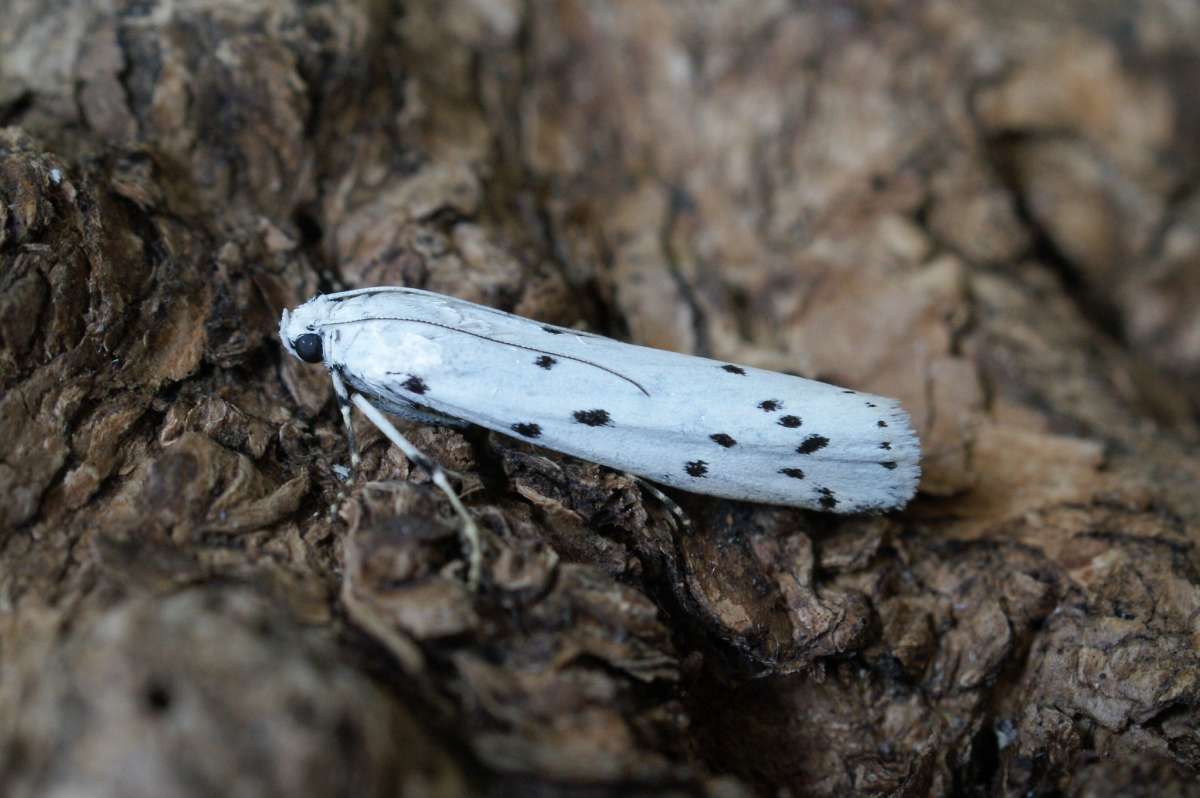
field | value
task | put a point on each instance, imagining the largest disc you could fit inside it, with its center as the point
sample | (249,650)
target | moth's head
(300,331)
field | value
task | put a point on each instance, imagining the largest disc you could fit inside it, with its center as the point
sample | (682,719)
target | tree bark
(988,210)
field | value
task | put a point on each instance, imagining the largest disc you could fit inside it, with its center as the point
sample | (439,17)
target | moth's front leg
(343,400)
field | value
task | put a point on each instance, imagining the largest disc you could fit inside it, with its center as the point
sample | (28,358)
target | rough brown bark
(990,210)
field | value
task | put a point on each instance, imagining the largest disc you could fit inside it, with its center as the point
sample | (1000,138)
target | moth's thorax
(379,349)
(359,335)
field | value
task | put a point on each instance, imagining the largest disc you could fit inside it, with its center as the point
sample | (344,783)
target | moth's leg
(343,400)
(666,501)
(438,475)
(431,418)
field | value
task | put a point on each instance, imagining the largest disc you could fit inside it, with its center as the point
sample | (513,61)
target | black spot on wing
(827,500)
(552,331)
(770,405)
(696,468)
(723,440)
(794,473)
(546,362)
(871,404)
(593,418)
(791,422)
(528,429)
(847,390)
(812,443)
(732,369)
(881,423)
(888,464)
(886,445)
(414,384)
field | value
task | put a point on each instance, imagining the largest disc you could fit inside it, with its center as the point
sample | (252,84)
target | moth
(700,425)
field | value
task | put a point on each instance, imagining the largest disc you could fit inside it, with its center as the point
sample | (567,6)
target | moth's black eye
(308,347)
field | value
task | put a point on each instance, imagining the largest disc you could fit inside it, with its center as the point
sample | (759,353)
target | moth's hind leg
(431,418)
(685,524)
(470,532)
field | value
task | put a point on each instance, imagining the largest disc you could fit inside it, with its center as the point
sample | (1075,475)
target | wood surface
(990,210)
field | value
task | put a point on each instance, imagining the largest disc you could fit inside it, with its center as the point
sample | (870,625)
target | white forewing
(697,424)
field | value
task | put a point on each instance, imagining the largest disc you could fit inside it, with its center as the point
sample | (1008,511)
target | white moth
(700,425)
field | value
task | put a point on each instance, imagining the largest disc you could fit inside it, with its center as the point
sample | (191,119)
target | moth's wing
(787,440)
(692,423)
(744,433)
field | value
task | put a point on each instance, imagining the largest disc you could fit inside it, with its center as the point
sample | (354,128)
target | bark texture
(990,210)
